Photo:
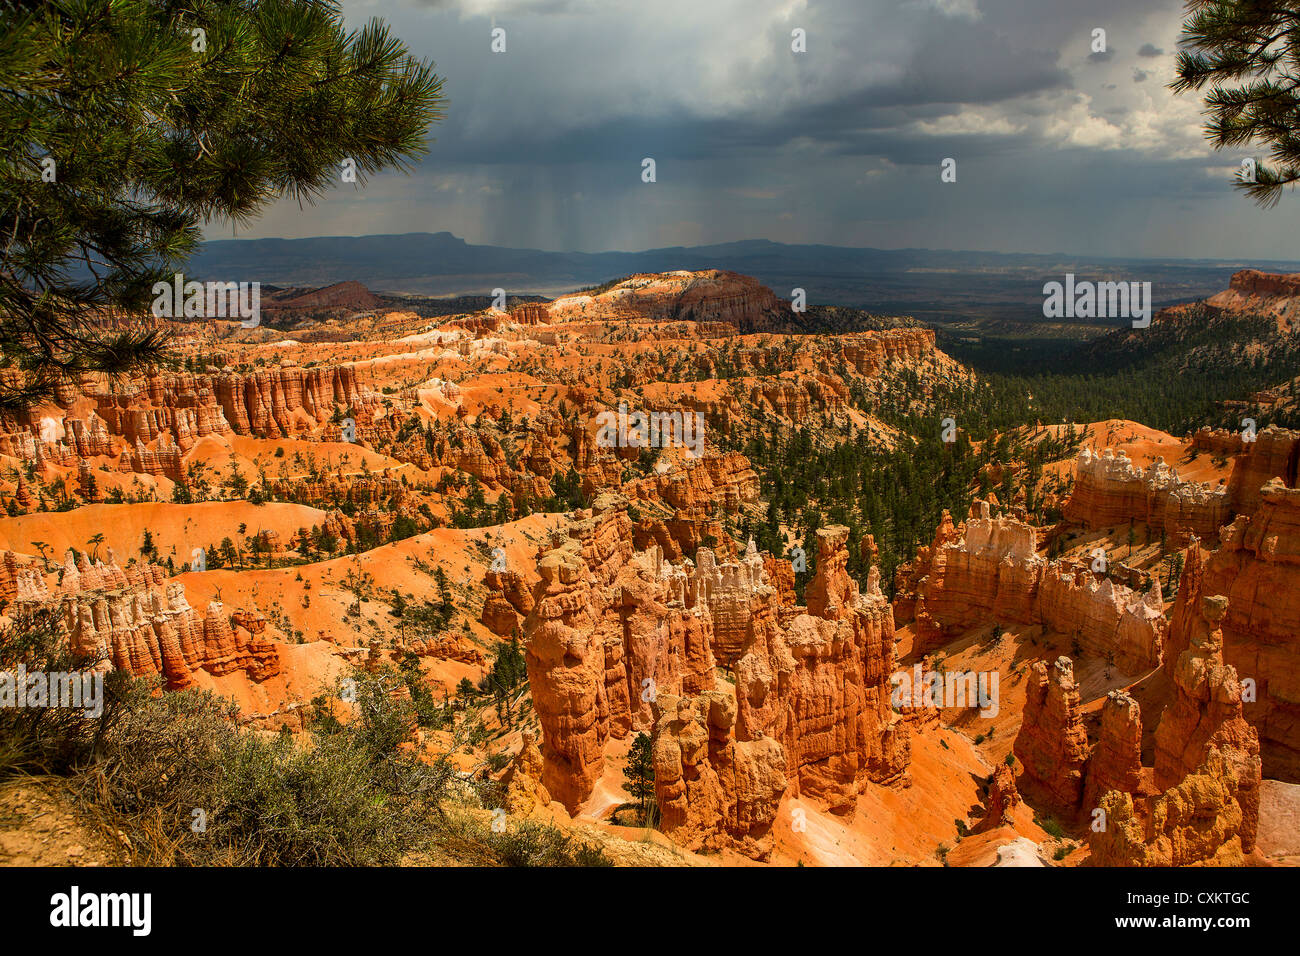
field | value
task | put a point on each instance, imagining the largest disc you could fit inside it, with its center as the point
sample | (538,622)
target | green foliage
(508,673)
(427,711)
(1246,53)
(46,739)
(538,844)
(153,133)
(568,493)
(640,782)
(1174,376)
(1050,826)
(150,760)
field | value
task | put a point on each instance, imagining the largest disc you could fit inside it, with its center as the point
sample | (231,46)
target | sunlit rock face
(621,640)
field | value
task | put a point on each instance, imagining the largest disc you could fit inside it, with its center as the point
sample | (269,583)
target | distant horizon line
(1246,262)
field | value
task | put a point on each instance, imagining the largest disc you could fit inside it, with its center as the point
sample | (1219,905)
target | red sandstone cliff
(1257,568)
(135,619)
(614,633)
(714,791)
(1109,490)
(1257,292)
(988,572)
(1207,770)
(1052,745)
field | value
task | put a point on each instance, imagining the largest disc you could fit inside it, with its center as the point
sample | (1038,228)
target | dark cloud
(542,145)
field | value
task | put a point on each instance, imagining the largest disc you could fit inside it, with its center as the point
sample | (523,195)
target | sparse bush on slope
(176,781)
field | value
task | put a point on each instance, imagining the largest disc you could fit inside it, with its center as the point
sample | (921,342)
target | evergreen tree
(640,773)
(1246,52)
(127,124)
(509,672)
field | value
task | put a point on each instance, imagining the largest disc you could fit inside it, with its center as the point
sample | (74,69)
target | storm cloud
(1057,148)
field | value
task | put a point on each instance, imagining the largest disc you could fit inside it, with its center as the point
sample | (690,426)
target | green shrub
(173,779)
(1050,825)
(538,844)
(347,796)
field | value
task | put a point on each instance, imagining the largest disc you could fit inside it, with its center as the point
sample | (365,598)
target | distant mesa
(1270,293)
(341,295)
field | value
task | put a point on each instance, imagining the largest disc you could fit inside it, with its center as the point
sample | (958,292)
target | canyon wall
(712,790)
(149,423)
(988,572)
(710,297)
(1052,745)
(1205,808)
(821,684)
(621,640)
(1110,490)
(134,619)
(1200,803)
(1254,292)
(1257,569)
(1275,453)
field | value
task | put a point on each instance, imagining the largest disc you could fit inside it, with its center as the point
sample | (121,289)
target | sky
(1058,148)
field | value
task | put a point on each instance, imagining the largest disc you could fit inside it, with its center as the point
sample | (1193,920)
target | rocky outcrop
(1002,800)
(1257,568)
(350,295)
(694,485)
(1110,490)
(1274,454)
(148,424)
(1200,803)
(821,685)
(269,402)
(445,645)
(1207,769)
(329,491)
(912,576)
(1254,292)
(712,790)
(508,601)
(1116,761)
(609,631)
(615,631)
(988,572)
(709,296)
(164,459)
(1199,821)
(566,659)
(521,784)
(1052,745)
(1108,620)
(869,352)
(728,591)
(1207,707)
(134,619)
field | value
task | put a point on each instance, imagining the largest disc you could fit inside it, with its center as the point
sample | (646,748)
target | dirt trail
(39,827)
